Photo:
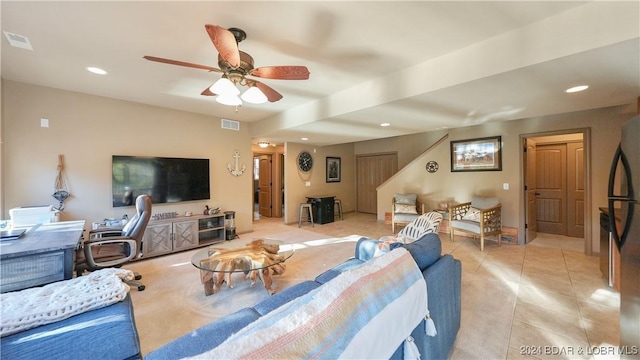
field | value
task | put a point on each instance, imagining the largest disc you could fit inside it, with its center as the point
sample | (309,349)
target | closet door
(371,171)
(551,182)
(575,189)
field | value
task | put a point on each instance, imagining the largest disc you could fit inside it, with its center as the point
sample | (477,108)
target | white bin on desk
(31,215)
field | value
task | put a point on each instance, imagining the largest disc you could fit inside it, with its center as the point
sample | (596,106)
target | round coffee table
(257,259)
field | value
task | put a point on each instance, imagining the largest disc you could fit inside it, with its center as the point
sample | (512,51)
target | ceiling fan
(236,66)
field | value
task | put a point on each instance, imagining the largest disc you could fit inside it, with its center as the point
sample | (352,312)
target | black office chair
(107,248)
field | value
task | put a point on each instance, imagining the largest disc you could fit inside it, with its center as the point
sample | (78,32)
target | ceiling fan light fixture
(263,144)
(253,95)
(224,87)
(231,100)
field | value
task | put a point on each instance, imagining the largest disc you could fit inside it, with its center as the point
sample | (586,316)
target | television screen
(166,180)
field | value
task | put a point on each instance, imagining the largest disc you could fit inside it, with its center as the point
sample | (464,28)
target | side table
(444,224)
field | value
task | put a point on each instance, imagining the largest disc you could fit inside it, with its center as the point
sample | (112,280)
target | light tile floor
(544,300)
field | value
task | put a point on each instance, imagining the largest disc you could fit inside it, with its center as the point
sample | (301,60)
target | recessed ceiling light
(96,70)
(385,124)
(304,138)
(577,88)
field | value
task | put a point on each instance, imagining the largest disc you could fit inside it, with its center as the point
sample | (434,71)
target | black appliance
(230,225)
(626,235)
(605,251)
(322,208)
(166,180)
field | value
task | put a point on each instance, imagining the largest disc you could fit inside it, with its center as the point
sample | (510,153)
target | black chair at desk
(112,248)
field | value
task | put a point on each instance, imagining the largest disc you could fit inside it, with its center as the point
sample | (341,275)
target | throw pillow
(472,214)
(407,199)
(425,251)
(406,209)
(384,245)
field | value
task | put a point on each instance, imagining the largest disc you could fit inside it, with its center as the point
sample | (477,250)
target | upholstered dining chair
(112,248)
(404,209)
(480,217)
(422,225)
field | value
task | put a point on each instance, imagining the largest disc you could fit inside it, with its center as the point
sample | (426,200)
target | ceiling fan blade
(281,72)
(267,90)
(207,92)
(225,43)
(181,63)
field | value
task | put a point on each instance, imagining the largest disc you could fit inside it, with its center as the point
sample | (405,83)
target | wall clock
(432,166)
(305,161)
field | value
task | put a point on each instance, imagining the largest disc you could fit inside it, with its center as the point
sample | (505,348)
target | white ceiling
(420,65)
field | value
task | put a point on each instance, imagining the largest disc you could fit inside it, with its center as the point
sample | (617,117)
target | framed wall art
(482,154)
(333,169)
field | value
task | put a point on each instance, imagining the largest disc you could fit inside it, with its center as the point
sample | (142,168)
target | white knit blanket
(29,308)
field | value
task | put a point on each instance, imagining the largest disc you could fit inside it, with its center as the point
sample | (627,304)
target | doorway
(556,188)
(268,186)
(262,181)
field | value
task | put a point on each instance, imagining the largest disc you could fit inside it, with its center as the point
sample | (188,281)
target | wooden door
(264,186)
(530,191)
(371,171)
(575,189)
(551,181)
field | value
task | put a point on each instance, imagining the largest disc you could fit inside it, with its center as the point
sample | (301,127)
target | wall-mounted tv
(166,180)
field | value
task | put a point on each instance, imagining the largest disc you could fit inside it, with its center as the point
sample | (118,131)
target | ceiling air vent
(19,41)
(230,124)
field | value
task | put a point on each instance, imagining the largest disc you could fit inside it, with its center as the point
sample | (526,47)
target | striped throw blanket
(366,312)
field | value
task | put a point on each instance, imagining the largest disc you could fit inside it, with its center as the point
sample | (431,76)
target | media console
(164,236)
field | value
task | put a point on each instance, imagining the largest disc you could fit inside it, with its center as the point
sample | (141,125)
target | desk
(44,254)
(322,208)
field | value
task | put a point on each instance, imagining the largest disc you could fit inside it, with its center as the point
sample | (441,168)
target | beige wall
(407,147)
(295,180)
(88,130)
(445,186)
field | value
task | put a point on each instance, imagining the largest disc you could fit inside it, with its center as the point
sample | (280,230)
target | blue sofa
(441,272)
(105,333)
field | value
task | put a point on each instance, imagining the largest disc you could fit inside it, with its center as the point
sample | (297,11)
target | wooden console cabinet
(165,236)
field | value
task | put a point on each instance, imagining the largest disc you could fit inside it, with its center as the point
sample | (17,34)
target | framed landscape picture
(482,154)
(333,169)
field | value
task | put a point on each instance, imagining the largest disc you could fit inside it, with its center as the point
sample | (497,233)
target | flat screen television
(166,180)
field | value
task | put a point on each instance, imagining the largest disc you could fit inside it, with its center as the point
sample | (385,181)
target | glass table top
(254,255)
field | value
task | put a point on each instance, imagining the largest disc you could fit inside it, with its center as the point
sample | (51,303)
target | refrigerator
(626,233)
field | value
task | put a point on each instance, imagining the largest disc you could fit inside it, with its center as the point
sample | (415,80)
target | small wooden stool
(309,217)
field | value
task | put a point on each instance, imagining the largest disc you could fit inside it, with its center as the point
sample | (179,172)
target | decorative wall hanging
(236,171)
(305,161)
(333,169)
(60,189)
(482,154)
(432,166)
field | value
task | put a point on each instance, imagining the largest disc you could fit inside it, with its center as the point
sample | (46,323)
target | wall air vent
(18,41)
(230,124)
